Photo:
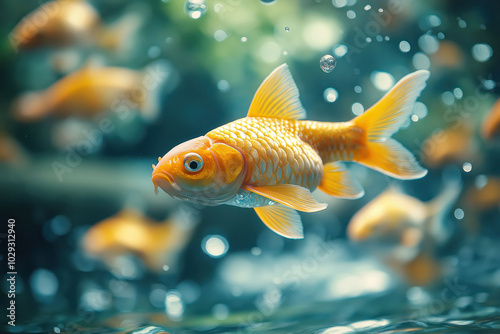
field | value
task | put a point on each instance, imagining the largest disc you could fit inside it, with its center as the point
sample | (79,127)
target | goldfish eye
(193,162)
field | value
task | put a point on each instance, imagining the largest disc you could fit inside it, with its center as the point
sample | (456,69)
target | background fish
(130,232)
(403,232)
(271,161)
(71,22)
(91,91)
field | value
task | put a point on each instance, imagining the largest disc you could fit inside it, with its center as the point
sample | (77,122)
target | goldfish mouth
(160,177)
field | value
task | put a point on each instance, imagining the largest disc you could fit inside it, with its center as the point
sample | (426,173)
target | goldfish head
(201,171)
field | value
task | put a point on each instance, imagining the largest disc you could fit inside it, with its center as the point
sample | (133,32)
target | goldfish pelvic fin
(291,195)
(385,118)
(337,181)
(282,220)
(277,97)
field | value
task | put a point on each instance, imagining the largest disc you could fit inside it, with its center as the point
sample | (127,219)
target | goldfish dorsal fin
(337,181)
(282,220)
(277,97)
(291,195)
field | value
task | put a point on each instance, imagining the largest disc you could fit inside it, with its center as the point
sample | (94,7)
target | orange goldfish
(155,243)
(402,231)
(454,144)
(11,151)
(490,127)
(271,161)
(70,22)
(91,91)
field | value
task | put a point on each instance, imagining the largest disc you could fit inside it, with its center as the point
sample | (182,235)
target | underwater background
(96,251)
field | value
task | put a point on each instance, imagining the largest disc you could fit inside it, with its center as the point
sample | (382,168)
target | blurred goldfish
(11,151)
(451,145)
(486,197)
(129,232)
(91,91)
(271,161)
(491,123)
(449,54)
(69,22)
(403,232)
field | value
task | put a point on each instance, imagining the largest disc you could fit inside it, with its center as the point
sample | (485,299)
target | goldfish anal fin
(277,97)
(384,119)
(291,195)
(282,220)
(337,181)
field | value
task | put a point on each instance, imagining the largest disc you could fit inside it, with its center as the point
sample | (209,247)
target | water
(96,251)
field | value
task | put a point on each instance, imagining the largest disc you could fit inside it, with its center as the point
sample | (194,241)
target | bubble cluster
(327,63)
(195,8)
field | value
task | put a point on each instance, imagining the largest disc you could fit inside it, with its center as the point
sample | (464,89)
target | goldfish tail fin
(119,36)
(382,120)
(30,107)
(159,78)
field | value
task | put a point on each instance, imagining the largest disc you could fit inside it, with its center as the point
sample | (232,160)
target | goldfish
(90,91)
(130,232)
(63,23)
(450,145)
(272,160)
(486,197)
(11,151)
(491,123)
(403,232)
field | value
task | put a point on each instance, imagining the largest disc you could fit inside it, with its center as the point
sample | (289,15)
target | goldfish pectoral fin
(337,181)
(277,97)
(385,118)
(282,220)
(291,195)
(391,158)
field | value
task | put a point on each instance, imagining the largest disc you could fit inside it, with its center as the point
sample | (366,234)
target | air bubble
(482,52)
(215,245)
(330,95)
(404,46)
(327,63)
(357,108)
(459,214)
(467,167)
